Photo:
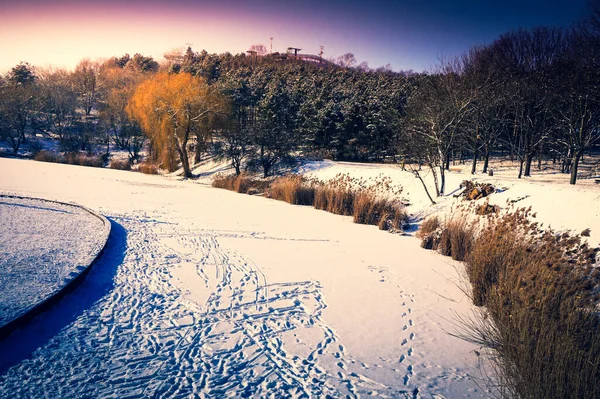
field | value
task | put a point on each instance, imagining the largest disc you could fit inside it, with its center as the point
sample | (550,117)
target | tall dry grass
(294,190)
(49,156)
(120,164)
(341,196)
(242,183)
(72,158)
(148,168)
(76,158)
(334,200)
(386,214)
(541,291)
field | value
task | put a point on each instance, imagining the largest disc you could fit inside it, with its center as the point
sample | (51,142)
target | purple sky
(407,34)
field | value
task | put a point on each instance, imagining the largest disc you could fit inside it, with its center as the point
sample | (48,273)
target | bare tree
(86,83)
(259,49)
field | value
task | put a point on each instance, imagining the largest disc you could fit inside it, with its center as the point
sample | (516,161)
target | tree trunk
(521,161)
(474,167)
(528,164)
(486,160)
(418,175)
(185,162)
(197,152)
(575,166)
(236,165)
(435,179)
(442,181)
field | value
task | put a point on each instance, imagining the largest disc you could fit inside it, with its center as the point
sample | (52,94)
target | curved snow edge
(71,284)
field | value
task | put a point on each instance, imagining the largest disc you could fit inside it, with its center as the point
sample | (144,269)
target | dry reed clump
(429,233)
(429,225)
(365,202)
(120,164)
(72,158)
(386,214)
(292,189)
(541,291)
(242,183)
(76,158)
(49,156)
(148,168)
(342,196)
(456,239)
(334,200)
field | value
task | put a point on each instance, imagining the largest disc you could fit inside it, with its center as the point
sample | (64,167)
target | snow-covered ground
(45,245)
(556,203)
(208,293)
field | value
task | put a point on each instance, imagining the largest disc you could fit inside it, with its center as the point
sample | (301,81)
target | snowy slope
(556,203)
(207,292)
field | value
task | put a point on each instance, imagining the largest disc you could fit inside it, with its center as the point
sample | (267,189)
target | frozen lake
(44,245)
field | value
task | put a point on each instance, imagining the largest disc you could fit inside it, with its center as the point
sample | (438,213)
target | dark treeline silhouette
(532,94)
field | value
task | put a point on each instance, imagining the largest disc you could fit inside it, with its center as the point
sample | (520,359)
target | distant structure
(294,49)
(293,53)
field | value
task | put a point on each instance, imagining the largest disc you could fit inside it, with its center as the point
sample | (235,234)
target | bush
(148,168)
(120,164)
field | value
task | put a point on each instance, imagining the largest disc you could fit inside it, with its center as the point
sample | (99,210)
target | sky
(406,34)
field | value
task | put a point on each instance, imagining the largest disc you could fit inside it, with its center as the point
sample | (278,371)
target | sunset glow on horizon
(404,34)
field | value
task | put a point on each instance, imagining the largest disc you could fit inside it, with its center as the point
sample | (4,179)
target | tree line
(532,94)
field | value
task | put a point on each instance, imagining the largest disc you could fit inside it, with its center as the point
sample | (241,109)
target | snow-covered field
(45,245)
(207,293)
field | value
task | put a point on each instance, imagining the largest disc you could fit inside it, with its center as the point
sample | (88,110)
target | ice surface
(43,246)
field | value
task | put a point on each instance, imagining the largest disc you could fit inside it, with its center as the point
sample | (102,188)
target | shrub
(148,168)
(120,164)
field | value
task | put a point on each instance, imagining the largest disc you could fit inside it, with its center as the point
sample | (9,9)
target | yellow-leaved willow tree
(171,108)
